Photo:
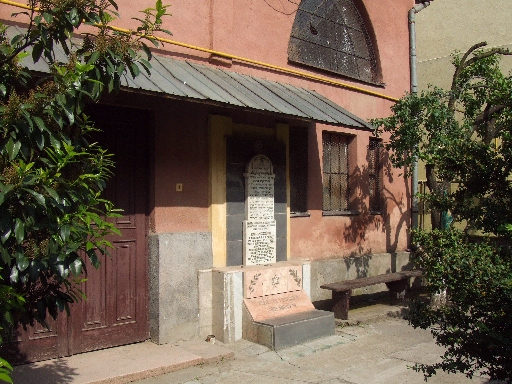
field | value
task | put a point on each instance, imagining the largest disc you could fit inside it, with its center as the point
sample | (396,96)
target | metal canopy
(192,81)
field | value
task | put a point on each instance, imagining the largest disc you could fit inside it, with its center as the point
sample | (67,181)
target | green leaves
(10,302)
(475,328)
(12,147)
(52,213)
(463,135)
(153,19)
(19,230)
(454,133)
(5,371)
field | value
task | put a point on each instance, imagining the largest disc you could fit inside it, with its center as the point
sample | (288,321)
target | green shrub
(475,326)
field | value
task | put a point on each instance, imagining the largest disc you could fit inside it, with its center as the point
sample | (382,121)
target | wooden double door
(116,309)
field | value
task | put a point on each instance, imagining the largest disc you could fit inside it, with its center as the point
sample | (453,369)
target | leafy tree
(475,326)
(52,214)
(464,135)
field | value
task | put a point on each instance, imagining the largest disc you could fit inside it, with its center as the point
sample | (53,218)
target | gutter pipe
(414,89)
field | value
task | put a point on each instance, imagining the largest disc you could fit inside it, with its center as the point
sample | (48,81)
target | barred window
(335,171)
(332,35)
(374,175)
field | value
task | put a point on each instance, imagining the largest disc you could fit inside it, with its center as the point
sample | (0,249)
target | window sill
(340,213)
(376,213)
(300,214)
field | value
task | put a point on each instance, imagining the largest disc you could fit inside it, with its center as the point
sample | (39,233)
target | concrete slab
(121,364)
(382,352)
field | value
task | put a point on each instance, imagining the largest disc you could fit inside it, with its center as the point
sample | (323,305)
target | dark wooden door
(116,309)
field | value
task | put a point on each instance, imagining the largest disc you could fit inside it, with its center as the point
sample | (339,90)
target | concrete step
(287,331)
(122,364)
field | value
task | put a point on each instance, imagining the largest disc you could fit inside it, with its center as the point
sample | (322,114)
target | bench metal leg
(397,291)
(340,304)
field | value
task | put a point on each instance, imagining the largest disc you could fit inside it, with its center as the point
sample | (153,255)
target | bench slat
(372,280)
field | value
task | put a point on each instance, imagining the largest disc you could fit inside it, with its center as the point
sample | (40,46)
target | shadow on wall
(355,231)
(361,264)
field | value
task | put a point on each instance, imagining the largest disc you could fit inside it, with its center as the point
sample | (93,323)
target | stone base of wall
(190,299)
(174,289)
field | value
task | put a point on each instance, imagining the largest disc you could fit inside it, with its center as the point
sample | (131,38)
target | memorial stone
(259,223)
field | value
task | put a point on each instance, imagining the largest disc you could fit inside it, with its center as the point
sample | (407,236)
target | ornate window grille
(331,35)
(335,172)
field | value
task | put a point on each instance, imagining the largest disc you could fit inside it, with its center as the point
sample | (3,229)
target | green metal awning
(201,83)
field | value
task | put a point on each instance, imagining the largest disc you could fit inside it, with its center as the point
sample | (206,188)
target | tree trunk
(437,188)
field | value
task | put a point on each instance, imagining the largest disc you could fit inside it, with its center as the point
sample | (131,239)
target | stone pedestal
(264,301)
(277,311)
(229,284)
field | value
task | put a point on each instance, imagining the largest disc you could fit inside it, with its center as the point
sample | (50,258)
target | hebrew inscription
(259,223)
(281,304)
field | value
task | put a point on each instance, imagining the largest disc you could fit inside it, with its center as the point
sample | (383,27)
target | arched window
(331,35)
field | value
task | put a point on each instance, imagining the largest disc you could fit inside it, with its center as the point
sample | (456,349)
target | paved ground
(380,352)
(375,346)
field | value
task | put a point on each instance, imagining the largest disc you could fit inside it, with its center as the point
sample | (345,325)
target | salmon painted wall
(179,155)
(324,237)
(260,30)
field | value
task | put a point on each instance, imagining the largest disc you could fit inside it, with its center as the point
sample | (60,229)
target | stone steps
(287,331)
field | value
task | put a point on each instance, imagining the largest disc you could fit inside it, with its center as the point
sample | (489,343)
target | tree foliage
(464,136)
(52,214)
(475,326)
(10,303)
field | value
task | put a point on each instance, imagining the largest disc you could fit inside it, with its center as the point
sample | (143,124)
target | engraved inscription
(259,242)
(277,305)
(259,223)
(260,197)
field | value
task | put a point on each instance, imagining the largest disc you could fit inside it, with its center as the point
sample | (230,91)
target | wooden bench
(397,284)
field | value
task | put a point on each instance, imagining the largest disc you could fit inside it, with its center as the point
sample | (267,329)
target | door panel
(116,309)
(36,343)
(115,312)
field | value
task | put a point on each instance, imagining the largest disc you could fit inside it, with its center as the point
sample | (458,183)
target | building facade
(295,82)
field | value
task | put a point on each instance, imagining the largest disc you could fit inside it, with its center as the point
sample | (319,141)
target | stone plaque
(259,242)
(264,282)
(281,304)
(259,223)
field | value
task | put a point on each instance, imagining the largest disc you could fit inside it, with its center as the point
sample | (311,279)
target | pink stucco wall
(323,237)
(255,30)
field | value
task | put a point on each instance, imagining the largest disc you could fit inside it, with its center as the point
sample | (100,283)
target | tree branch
(483,55)
(485,117)
(461,65)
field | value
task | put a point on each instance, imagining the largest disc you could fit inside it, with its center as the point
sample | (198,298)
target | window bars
(331,35)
